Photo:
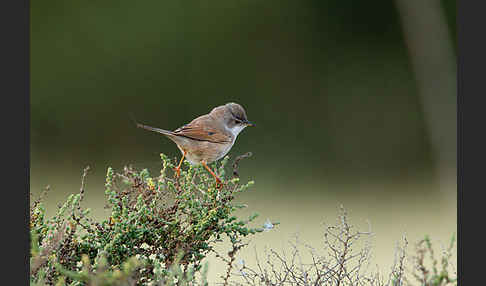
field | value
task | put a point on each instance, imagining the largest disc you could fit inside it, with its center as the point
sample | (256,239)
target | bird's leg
(219,184)
(178,168)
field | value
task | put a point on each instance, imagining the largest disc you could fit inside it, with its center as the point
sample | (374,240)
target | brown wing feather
(201,129)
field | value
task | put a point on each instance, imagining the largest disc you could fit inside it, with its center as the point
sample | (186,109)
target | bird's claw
(219,184)
(177,171)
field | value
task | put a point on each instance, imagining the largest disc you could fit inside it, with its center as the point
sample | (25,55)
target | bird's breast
(207,151)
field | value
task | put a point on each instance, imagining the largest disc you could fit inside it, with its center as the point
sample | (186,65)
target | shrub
(345,259)
(158,232)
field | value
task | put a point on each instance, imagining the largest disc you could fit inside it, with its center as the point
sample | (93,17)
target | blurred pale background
(354,104)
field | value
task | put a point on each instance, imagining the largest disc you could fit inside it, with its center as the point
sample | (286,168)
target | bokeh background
(354,101)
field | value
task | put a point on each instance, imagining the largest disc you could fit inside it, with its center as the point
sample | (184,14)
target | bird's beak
(248,123)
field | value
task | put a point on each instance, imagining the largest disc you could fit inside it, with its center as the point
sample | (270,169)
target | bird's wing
(201,129)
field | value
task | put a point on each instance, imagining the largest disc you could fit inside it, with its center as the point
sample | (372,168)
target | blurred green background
(344,115)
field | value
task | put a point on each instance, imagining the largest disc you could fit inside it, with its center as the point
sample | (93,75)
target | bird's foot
(177,171)
(219,184)
(178,168)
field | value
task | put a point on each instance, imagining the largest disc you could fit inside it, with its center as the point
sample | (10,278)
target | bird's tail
(158,130)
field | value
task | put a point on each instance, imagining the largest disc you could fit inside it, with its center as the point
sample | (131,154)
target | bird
(208,137)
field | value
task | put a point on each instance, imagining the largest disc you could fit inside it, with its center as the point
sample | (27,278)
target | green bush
(159,230)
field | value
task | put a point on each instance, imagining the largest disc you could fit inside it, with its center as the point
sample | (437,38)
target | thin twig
(237,161)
